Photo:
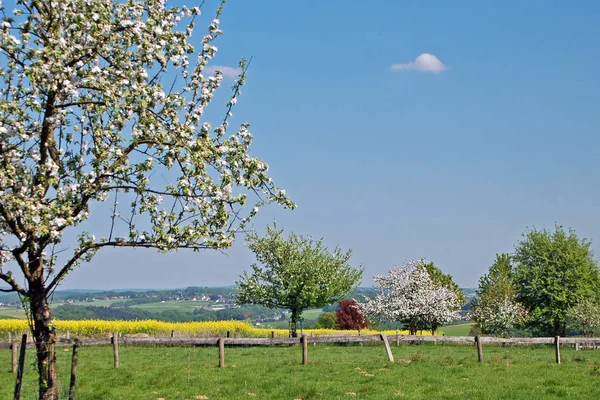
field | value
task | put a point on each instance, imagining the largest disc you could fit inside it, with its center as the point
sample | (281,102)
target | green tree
(553,272)
(327,320)
(296,273)
(496,309)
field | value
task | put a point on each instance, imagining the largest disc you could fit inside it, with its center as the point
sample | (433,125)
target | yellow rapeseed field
(92,328)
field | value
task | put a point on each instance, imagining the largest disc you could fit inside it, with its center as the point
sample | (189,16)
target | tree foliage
(408,294)
(105,100)
(348,316)
(496,309)
(327,320)
(295,273)
(554,271)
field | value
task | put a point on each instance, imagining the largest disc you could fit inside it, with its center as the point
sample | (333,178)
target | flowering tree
(439,279)
(408,294)
(106,100)
(496,309)
(584,315)
(298,273)
(348,316)
(499,316)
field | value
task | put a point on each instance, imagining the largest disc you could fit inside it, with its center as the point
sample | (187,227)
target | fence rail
(316,339)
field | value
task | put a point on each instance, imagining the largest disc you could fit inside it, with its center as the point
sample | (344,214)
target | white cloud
(228,72)
(425,62)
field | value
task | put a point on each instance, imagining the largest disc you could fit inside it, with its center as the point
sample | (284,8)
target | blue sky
(453,166)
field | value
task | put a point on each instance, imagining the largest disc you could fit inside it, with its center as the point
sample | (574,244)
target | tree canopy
(106,101)
(553,272)
(348,316)
(295,273)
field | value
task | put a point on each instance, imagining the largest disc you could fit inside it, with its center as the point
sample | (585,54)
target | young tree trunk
(294,321)
(434,328)
(559,328)
(43,334)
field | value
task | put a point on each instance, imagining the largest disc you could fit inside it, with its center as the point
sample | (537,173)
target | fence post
(272,334)
(387,347)
(10,337)
(14,347)
(479,349)
(68,335)
(73,370)
(221,343)
(304,341)
(312,335)
(172,333)
(228,334)
(557,347)
(21,365)
(115,340)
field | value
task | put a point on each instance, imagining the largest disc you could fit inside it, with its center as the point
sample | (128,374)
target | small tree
(496,309)
(348,316)
(553,272)
(296,273)
(106,99)
(327,320)
(408,295)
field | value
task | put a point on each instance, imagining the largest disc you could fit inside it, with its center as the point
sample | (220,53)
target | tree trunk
(434,328)
(559,328)
(412,327)
(44,334)
(293,322)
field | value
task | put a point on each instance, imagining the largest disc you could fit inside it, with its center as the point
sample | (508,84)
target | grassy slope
(334,372)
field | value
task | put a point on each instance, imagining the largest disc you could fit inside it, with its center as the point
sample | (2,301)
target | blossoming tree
(408,294)
(496,309)
(105,100)
(584,315)
(297,273)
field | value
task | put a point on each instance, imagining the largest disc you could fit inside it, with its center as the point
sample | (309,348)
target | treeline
(149,296)
(244,313)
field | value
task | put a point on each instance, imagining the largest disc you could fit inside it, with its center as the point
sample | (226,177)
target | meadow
(424,371)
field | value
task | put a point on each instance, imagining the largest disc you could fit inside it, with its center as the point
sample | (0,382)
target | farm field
(188,306)
(10,313)
(334,372)
(96,303)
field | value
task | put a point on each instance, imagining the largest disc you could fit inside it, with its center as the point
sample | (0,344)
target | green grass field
(457,330)
(334,372)
(11,313)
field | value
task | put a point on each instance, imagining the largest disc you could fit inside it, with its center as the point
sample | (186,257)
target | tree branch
(14,285)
